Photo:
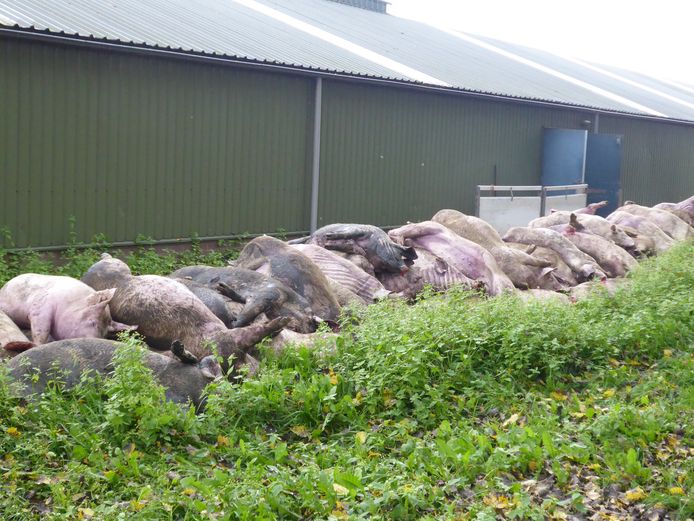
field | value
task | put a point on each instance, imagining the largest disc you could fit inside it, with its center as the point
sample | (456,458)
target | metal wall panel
(392,155)
(134,145)
(658,161)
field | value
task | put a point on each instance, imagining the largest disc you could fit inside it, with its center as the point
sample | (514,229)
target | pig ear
(117,327)
(210,368)
(101,297)
(547,270)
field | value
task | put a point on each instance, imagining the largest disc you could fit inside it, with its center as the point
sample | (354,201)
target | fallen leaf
(498,502)
(340,490)
(558,396)
(301,431)
(511,420)
(361,437)
(634,495)
(609,393)
(333,377)
(667,353)
(85,513)
(676,491)
(222,441)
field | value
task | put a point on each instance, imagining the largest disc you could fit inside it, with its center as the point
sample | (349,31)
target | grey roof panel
(611,84)
(227,28)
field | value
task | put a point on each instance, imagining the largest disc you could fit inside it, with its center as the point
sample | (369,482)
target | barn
(181,118)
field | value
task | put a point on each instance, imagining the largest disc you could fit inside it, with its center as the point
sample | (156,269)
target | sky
(655,37)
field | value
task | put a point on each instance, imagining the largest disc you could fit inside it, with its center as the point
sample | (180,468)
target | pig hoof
(182,353)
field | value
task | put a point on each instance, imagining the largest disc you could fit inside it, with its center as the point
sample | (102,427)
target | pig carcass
(666,221)
(613,260)
(110,272)
(672,208)
(524,270)
(662,241)
(280,261)
(590,224)
(687,206)
(106,273)
(257,292)
(58,307)
(591,208)
(470,258)
(344,272)
(183,377)
(405,285)
(165,311)
(363,239)
(561,271)
(580,263)
(440,275)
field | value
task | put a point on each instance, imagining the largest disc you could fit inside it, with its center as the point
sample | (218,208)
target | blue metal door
(563,156)
(603,165)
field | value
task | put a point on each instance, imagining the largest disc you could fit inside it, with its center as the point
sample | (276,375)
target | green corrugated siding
(391,155)
(137,145)
(658,161)
(142,145)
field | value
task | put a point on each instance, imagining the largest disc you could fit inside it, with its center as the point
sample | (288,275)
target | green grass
(458,407)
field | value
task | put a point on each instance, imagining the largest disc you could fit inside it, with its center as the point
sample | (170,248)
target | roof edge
(46,35)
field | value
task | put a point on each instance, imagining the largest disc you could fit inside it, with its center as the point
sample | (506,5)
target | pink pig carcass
(58,307)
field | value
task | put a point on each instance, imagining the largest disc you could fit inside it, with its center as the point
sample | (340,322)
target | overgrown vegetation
(143,259)
(458,407)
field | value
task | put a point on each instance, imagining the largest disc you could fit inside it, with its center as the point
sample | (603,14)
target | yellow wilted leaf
(388,397)
(558,515)
(340,490)
(301,430)
(558,396)
(614,363)
(498,502)
(361,437)
(333,377)
(339,514)
(188,491)
(85,513)
(594,466)
(137,505)
(635,494)
(676,491)
(609,393)
(511,420)
(673,441)
(532,465)
(357,398)
(13,431)
(667,353)
(222,441)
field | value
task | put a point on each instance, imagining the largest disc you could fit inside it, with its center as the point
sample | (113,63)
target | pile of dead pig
(285,290)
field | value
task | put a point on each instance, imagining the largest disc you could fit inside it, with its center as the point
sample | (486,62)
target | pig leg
(257,305)
(229,292)
(40,326)
(247,337)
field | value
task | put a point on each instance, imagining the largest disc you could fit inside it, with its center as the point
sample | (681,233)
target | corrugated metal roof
(332,37)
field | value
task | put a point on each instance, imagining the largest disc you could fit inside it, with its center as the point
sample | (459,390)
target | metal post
(543,201)
(596,123)
(477,201)
(315,170)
